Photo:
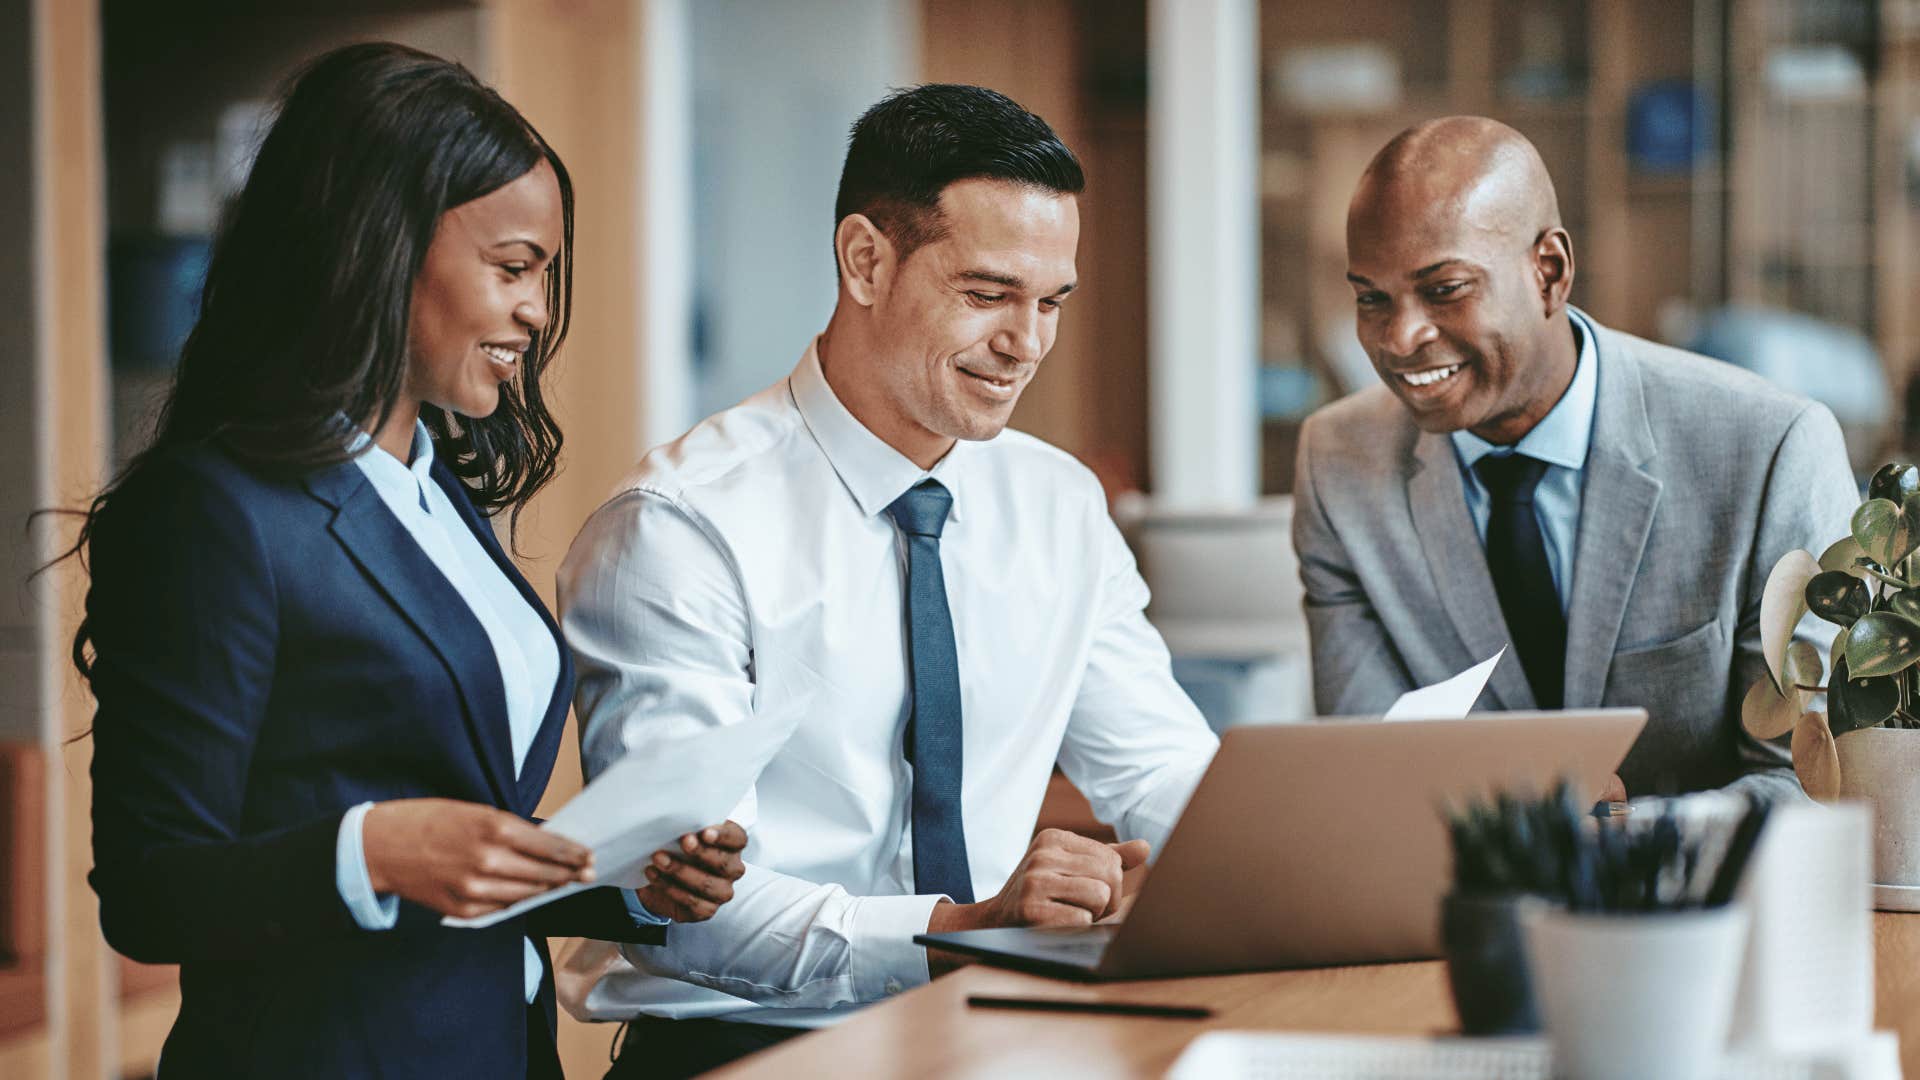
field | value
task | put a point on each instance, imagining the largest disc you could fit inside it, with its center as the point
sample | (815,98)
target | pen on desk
(1114,1008)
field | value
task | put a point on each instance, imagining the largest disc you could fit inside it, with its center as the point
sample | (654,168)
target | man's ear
(1553,269)
(866,258)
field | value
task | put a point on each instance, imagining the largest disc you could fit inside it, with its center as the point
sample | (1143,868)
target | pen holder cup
(1630,996)
(1487,962)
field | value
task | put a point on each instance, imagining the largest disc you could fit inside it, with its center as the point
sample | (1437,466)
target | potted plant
(1865,745)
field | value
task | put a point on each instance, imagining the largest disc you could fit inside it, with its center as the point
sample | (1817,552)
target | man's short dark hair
(906,149)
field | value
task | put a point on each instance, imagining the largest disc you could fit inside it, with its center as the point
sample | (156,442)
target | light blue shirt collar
(389,475)
(1563,435)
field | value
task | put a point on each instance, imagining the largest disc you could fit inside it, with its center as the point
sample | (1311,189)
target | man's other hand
(689,884)
(1064,880)
(1615,791)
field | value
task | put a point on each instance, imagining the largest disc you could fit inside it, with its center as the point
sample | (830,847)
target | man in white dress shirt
(938,609)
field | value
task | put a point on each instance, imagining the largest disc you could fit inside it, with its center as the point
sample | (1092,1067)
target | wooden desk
(931,1032)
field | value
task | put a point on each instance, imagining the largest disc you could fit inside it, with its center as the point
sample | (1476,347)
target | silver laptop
(1308,845)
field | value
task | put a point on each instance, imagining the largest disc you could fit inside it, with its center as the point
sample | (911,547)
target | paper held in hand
(1450,700)
(652,797)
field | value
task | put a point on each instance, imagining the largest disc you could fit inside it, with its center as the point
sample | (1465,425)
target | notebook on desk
(1308,845)
(1271,1055)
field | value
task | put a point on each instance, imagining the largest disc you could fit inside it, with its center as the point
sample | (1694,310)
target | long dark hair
(304,314)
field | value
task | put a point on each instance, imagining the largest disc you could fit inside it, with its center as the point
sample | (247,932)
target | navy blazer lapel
(1617,504)
(1457,562)
(387,553)
(545,748)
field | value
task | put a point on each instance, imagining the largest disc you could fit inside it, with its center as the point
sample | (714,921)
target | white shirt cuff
(370,910)
(883,958)
(532,969)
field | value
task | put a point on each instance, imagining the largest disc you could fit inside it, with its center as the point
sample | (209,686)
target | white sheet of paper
(1450,700)
(652,797)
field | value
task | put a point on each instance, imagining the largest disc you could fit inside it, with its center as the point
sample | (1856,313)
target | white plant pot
(1636,997)
(1881,766)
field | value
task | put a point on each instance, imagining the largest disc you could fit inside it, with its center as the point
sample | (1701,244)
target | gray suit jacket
(1699,477)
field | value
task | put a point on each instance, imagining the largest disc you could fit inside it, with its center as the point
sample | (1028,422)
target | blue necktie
(933,743)
(1522,577)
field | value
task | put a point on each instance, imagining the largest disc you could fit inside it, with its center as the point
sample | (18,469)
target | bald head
(1465,170)
(1461,272)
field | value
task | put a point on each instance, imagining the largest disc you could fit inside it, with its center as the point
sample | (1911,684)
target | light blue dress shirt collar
(524,647)
(1562,436)
(392,478)
(1560,439)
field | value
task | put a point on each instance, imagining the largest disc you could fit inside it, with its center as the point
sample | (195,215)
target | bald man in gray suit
(1608,506)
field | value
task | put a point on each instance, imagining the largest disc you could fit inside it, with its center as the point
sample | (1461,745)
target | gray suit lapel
(1616,514)
(1458,564)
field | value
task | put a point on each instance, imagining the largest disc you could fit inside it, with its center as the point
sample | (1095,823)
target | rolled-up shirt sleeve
(653,609)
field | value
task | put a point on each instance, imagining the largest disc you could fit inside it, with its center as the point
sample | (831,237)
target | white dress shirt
(528,656)
(750,566)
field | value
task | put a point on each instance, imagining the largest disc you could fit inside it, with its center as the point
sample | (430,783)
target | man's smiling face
(1460,270)
(1443,312)
(969,316)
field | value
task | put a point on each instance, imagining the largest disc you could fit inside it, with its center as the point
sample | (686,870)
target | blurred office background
(1739,176)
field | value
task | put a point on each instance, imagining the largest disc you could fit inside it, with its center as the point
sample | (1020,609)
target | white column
(666,201)
(1203,219)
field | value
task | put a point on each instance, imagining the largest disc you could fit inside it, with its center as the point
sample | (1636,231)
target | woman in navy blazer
(325,712)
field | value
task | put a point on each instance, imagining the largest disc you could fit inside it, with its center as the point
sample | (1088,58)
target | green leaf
(1857,703)
(1844,555)
(1838,597)
(1884,532)
(1882,643)
(1782,603)
(1894,482)
(1905,602)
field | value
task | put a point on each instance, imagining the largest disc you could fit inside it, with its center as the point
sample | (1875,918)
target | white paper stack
(1808,979)
(1270,1055)
(650,798)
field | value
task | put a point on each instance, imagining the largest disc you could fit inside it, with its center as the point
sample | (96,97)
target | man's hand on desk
(1064,880)
(1130,883)
(690,884)
(1615,791)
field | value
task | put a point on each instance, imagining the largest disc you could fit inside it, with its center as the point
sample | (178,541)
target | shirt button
(893,986)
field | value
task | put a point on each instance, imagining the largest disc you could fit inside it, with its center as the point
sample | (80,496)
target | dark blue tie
(933,743)
(1522,577)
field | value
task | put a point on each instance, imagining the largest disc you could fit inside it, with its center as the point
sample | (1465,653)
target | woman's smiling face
(481,295)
